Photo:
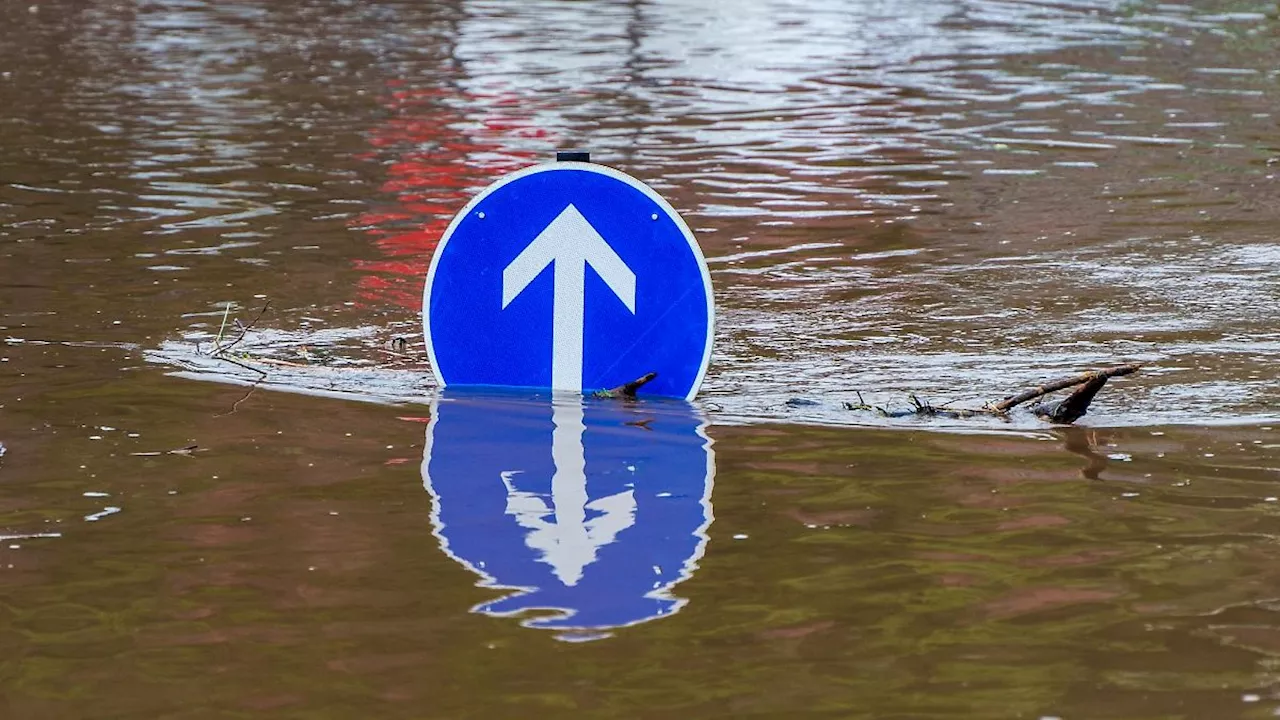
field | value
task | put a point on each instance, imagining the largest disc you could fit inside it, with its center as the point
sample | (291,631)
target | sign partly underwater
(571,276)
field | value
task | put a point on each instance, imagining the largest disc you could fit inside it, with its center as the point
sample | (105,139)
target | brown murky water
(951,198)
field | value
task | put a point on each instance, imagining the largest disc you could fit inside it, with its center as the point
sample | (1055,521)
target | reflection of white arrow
(571,243)
(569,542)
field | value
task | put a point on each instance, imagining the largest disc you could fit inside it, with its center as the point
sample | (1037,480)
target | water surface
(954,199)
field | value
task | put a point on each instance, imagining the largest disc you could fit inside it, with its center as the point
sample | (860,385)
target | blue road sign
(571,276)
(587,522)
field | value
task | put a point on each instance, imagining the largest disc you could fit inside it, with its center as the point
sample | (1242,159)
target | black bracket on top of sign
(573,156)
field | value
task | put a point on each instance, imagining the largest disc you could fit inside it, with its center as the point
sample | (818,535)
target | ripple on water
(983,182)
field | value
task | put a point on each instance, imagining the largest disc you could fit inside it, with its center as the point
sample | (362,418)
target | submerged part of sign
(586,512)
(570,276)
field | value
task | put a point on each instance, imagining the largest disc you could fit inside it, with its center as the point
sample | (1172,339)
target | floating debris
(1062,412)
(188,451)
(108,510)
(628,390)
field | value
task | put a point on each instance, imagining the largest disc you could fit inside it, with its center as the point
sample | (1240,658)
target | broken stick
(1088,378)
(628,390)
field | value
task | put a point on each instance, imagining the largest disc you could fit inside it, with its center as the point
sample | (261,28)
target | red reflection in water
(442,157)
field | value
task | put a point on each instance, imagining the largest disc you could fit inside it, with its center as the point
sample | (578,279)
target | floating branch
(1074,406)
(1095,379)
(1065,411)
(628,390)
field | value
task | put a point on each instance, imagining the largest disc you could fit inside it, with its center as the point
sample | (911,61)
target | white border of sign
(600,170)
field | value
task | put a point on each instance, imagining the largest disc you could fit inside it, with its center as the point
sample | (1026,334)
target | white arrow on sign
(571,243)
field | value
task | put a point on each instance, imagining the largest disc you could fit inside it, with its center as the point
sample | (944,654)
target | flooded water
(955,199)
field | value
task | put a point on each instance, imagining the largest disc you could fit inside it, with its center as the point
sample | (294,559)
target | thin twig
(236,405)
(244,330)
(220,351)
(261,375)
(186,451)
(254,386)
(860,405)
(282,363)
(218,341)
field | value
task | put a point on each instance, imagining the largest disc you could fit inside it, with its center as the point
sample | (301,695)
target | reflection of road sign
(577,512)
(570,276)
